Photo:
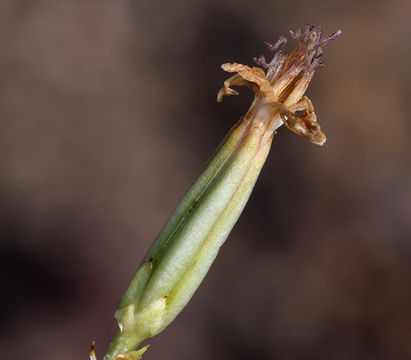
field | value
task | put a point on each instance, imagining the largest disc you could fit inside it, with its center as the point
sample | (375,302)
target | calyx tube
(187,245)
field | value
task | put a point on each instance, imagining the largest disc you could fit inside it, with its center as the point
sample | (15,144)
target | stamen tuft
(304,58)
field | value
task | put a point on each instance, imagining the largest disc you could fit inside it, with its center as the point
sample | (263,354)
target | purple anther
(273,47)
(295,34)
(310,32)
(261,61)
(331,37)
(269,44)
(311,28)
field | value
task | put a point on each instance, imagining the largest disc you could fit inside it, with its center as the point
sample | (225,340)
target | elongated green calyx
(187,245)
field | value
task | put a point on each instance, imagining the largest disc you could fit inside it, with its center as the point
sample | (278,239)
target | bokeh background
(108,112)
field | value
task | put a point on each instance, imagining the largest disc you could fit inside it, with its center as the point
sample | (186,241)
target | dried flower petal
(286,80)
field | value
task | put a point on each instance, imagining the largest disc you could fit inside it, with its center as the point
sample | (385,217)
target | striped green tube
(187,245)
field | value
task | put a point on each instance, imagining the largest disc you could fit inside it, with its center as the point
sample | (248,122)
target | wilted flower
(187,245)
(281,90)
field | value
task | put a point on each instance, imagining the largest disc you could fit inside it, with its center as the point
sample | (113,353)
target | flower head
(285,81)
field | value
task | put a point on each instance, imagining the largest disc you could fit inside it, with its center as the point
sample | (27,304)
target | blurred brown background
(108,113)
